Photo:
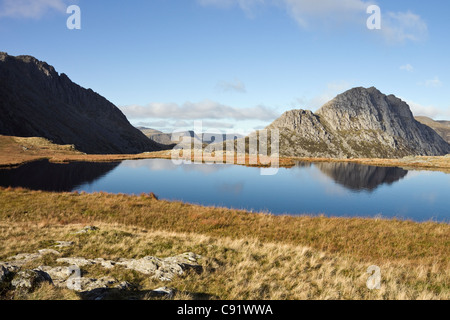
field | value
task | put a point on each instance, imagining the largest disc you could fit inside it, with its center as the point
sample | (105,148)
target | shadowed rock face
(46,176)
(35,101)
(360,177)
(361,123)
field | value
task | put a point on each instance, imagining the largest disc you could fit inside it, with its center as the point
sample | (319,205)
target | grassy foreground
(245,256)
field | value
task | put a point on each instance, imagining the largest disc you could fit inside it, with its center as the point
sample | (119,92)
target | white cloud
(162,124)
(218,124)
(181,124)
(397,27)
(407,67)
(403,26)
(205,109)
(428,111)
(30,8)
(246,5)
(154,124)
(232,86)
(432,83)
(306,11)
(303,11)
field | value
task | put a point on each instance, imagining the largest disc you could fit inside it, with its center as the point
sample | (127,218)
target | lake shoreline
(406,251)
(16,151)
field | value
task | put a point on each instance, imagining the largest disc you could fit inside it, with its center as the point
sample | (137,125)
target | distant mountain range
(169,139)
(359,123)
(441,127)
(36,101)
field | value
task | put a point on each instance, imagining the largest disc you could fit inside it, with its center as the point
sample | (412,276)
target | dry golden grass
(249,256)
(233,268)
(371,239)
(45,292)
(15,151)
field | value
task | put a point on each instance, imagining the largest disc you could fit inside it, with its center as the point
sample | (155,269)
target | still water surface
(333,189)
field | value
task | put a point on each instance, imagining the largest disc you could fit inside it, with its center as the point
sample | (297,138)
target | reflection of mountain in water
(361,177)
(43,175)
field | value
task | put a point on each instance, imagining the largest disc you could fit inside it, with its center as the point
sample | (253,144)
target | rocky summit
(359,123)
(36,101)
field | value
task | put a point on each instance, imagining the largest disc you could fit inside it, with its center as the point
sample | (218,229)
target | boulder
(29,280)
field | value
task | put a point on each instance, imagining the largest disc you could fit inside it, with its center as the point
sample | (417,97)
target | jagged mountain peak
(361,122)
(363,100)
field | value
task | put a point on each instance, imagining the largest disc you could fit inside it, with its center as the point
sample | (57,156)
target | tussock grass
(233,268)
(371,239)
(247,256)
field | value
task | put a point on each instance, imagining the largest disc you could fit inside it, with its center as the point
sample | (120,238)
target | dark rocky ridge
(35,101)
(360,123)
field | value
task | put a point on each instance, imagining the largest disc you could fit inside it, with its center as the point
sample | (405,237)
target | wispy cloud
(431,83)
(205,109)
(403,26)
(218,124)
(232,86)
(154,124)
(34,9)
(306,12)
(246,5)
(427,111)
(397,27)
(407,67)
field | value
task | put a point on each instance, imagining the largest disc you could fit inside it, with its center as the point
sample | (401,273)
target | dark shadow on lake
(359,177)
(57,177)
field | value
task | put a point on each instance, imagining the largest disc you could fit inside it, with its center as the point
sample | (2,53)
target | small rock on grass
(29,280)
(164,291)
(62,244)
(87,229)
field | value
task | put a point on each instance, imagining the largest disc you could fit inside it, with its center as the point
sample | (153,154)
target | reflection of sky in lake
(333,190)
(330,188)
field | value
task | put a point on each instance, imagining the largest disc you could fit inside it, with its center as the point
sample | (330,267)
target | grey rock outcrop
(13,274)
(36,101)
(163,269)
(87,230)
(360,123)
(29,280)
(3,273)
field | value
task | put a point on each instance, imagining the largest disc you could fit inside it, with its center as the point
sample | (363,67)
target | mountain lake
(331,189)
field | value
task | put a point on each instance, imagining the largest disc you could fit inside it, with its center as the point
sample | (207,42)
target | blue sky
(237,64)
